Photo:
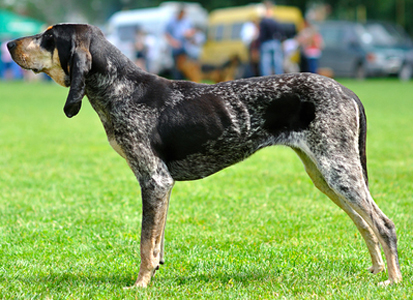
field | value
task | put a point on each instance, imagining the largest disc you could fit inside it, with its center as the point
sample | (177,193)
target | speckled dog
(178,130)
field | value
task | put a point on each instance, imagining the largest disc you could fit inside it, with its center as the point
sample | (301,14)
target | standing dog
(178,130)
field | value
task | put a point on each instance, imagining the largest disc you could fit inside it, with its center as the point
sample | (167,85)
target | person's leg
(265,59)
(312,63)
(278,57)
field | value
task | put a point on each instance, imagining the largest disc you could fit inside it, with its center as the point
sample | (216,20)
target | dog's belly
(200,165)
(197,168)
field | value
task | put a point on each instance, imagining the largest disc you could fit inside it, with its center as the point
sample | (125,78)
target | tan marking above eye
(50,27)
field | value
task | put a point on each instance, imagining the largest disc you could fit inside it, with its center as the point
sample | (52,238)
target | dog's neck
(114,77)
(112,74)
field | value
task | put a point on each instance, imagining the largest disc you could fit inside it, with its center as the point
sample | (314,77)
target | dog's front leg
(162,258)
(155,201)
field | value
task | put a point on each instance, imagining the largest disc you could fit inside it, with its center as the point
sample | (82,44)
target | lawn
(70,212)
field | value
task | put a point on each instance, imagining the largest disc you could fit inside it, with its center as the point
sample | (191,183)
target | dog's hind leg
(364,229)
(343,174)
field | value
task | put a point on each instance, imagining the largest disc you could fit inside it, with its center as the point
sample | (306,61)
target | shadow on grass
(229,279)
(58,281)
(117,281)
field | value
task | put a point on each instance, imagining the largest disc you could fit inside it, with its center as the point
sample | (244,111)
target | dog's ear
(79,66)
(73,44)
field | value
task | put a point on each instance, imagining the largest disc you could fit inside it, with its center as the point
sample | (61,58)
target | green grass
(70,212)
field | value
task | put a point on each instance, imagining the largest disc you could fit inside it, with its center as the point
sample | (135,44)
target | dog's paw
(143,280)
(385,283)
(137,285)
(390,282)
(375,269)
(130,287)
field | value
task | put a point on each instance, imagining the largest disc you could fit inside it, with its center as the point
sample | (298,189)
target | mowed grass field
(70,212)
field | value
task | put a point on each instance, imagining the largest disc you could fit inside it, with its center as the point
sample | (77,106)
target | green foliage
(98,11)
(70,212)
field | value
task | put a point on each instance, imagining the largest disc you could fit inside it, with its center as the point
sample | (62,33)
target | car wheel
(406,72)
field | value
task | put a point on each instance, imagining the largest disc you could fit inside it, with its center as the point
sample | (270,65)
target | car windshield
(127,32)
(380,35)
(338,34)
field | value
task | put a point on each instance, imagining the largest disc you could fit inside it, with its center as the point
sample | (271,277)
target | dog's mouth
(35,70)
(24,63)
(21,61)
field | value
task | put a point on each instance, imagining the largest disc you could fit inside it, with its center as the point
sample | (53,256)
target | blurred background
(356,38)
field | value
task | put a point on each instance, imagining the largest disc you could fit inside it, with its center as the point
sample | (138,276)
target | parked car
(345,52)
(225,25)
(394,46)
(359,50)
(122,27)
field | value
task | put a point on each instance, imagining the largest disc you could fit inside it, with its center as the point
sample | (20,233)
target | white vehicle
(122,27)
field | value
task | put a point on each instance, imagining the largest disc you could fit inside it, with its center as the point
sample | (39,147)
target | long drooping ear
(80,64)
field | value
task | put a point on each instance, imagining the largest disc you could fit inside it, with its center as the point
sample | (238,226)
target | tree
(98,11)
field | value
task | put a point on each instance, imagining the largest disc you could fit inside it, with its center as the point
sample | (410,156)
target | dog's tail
(362,132)
(362,138)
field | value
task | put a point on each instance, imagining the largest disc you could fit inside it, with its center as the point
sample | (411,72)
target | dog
(170,131)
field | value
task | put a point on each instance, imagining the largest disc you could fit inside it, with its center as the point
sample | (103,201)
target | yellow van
(224,30)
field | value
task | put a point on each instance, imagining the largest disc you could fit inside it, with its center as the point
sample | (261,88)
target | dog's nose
(11,45)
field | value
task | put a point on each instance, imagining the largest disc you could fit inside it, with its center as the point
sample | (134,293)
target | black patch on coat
(154,95)
(187,127)
(48,42)
(288,113)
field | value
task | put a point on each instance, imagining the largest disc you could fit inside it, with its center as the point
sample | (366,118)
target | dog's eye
(48,42)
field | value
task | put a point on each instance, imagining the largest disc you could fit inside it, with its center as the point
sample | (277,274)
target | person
(193,45)
(270,37)
(178,31)
(290,49)
(140,49)
(249,36)
(152,63)
(311,45)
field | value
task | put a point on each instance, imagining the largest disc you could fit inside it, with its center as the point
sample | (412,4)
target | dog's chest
(110,134)
(116,147)
(107,125)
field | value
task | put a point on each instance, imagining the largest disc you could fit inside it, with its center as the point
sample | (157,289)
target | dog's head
(63,53)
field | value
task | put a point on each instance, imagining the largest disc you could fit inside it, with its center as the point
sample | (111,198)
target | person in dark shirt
(271,53)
